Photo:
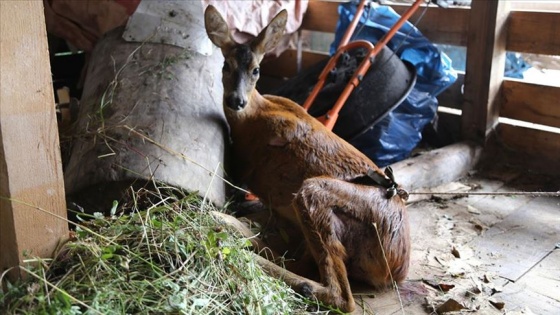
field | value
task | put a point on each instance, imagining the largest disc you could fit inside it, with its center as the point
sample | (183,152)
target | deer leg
(315,216)
(337,217)
(259,246)
(300,284)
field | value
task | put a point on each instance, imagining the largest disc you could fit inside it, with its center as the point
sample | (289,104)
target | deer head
(241,66)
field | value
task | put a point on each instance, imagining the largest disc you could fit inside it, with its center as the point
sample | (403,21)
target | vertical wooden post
(486,53)
(30,165)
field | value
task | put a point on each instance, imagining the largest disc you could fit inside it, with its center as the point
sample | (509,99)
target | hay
(169,258)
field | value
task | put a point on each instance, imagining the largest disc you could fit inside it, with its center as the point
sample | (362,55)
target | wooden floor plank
(539,289)
(513,246)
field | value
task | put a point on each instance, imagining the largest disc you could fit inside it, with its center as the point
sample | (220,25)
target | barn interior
(91,117)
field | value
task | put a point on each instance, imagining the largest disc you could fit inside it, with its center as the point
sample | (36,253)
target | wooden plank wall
(30,165)
(532,32)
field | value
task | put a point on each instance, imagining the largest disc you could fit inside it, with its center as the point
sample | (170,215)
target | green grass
(169,258)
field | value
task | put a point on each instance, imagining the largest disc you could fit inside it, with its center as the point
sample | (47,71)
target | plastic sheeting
(396,135)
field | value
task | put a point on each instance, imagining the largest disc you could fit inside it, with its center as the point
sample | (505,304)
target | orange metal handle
(330,118)
(331,65)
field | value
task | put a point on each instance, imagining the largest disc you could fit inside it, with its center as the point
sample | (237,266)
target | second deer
(352,214)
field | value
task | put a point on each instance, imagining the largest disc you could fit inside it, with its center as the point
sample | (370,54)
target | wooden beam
(486,52)
(534,32)
(30,165)
(520,102)
(437,167)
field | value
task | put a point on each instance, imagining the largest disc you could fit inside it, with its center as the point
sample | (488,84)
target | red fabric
(82,23)
(129,5)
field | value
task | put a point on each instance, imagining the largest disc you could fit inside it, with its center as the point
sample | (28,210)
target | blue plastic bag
(396,135)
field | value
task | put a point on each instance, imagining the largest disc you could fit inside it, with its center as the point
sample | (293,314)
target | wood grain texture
(531,102)
(286,64)
(534,32)
(321,16)
(437,167)
(539,289)
(31,172)
(515,245)
(537,143)
(485,68)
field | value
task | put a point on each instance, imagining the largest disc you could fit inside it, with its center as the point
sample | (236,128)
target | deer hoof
(306,290)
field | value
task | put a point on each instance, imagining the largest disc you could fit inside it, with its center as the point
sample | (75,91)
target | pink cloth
(82,23)
(247,18)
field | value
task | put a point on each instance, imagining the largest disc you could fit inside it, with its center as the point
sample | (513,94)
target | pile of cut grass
(169,258)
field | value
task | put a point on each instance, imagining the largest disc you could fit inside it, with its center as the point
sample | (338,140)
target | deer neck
(255,105)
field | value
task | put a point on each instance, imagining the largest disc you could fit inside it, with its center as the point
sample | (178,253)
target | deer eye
(256,71)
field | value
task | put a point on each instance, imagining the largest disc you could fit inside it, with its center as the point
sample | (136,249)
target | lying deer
(352,214)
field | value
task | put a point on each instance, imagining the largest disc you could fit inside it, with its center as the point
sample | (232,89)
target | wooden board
(513,246)
(30,165)
(286,64)
(445,26)
(537,143)
(538,289)
(534,32)
(321,16)
(531,102)
(486,56)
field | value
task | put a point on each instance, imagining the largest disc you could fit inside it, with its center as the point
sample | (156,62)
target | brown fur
(305,173)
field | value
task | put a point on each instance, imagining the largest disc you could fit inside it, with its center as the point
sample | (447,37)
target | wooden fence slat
(321,16)
(444,26)
(30,165)
(531,102)
(286,64)
(534,32)
(538,143)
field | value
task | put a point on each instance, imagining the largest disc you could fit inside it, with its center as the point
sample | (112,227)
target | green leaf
(114,208)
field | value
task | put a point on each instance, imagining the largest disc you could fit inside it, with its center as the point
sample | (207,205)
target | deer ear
(216,27)
(270,36)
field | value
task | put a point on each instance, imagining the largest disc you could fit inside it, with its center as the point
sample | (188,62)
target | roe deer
(352,215)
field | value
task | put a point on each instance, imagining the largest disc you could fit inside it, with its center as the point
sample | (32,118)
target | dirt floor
(481,254)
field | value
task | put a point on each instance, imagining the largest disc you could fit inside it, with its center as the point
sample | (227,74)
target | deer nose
(236,102)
